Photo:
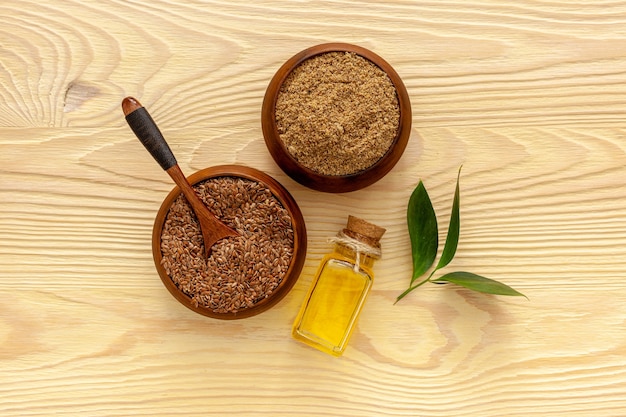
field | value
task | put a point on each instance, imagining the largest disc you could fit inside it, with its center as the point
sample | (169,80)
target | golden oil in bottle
(339,289)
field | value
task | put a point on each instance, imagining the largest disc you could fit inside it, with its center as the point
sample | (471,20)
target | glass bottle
(333,304)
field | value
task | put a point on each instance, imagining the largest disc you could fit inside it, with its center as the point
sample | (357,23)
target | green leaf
(454,229)
(423,232)
(477,283)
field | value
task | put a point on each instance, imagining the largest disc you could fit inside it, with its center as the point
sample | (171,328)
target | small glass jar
(339,289)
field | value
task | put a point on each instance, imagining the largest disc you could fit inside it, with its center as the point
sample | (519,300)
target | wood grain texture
(528,96)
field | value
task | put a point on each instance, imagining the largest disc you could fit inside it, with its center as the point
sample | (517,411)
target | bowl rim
(299,230)
(313,179)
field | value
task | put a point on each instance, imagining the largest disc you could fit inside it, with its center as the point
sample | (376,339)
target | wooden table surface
(529,96)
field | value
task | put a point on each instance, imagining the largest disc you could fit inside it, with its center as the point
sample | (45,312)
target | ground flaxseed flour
(337,113)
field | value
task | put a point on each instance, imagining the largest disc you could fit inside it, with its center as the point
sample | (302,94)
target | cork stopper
(364,231)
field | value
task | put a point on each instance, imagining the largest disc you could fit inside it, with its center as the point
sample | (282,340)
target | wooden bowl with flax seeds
(336,117)
(244,275)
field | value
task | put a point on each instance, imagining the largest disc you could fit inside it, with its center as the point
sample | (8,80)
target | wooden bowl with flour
(336,117)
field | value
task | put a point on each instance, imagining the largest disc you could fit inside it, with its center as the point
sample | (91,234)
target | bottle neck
(345,251)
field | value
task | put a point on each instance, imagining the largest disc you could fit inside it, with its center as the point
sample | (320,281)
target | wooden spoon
(148,133)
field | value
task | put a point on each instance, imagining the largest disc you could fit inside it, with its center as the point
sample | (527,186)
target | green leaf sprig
(422,224)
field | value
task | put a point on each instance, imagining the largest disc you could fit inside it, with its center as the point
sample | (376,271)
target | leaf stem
(411,288)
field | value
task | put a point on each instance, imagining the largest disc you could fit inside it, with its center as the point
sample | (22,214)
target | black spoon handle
(148,133)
